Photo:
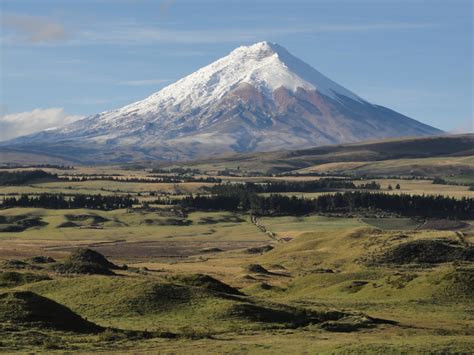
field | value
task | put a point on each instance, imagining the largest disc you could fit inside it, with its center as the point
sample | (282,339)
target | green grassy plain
(292,276)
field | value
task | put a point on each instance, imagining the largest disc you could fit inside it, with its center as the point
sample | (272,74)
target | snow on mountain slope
(259,97)
(265,66)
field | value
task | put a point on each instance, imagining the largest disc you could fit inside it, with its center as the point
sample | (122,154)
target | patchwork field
(160,276)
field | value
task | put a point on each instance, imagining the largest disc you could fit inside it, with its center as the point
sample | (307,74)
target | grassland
(449,156)
(324,265)
(221,282)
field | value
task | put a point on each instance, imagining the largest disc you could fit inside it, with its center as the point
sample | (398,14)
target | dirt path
(269,233)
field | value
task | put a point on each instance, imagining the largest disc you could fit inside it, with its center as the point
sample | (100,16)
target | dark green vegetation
(25,177)
(25,308)
(77,201)
(86,261)
(38,166)
(429,252)
(290,186)
(207,282)
(235,198)
(13,278)
(19,223)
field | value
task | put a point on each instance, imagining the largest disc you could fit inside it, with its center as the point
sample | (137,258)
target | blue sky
(65,59)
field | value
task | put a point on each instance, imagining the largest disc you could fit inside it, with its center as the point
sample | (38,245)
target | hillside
(424,154)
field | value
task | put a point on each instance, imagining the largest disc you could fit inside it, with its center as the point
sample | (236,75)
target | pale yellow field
(431,166)
(420,187)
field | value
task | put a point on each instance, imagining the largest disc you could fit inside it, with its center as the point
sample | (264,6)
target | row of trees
(425,206)
(25,177)
(52,201)
(149,179)
(289,186)
(177,170)
(39,166)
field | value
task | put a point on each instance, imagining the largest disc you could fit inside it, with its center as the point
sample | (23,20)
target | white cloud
(33,29)
(22,123)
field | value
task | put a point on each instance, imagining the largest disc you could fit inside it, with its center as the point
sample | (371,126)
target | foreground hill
(258,98)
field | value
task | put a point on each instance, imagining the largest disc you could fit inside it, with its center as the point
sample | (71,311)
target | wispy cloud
(33,29)
(136,35)
(141,35)
(19,124)
(144,82)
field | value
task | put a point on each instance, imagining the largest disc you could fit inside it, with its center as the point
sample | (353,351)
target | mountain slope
(258,98)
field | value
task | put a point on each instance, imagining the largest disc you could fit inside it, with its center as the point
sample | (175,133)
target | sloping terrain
(332,276)
(24,308)
(430,155)
(141,303)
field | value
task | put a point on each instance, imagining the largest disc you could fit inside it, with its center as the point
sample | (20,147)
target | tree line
(289,186)
(60,201)
(424,206)
(148,179)
(25,177)
(39,166)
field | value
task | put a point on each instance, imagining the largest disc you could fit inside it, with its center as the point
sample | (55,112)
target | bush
(439,181)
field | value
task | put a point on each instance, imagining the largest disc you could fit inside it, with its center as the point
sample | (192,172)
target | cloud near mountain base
(22,123)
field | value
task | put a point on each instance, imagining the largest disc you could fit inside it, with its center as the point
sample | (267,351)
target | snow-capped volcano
(259,97)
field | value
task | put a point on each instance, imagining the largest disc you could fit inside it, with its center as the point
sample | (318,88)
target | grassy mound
(428,252)
(86,261)
(457,284)
(263,314)
(299,317)
(139,303)
(19,223)
(207,282)
(68,225)
(42,259)
(354,286)
(15,264)
(13,279)
(257,269)
(121,297)
(26,308)
(167,222)
(259,250)
(146,304)
(95,219)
